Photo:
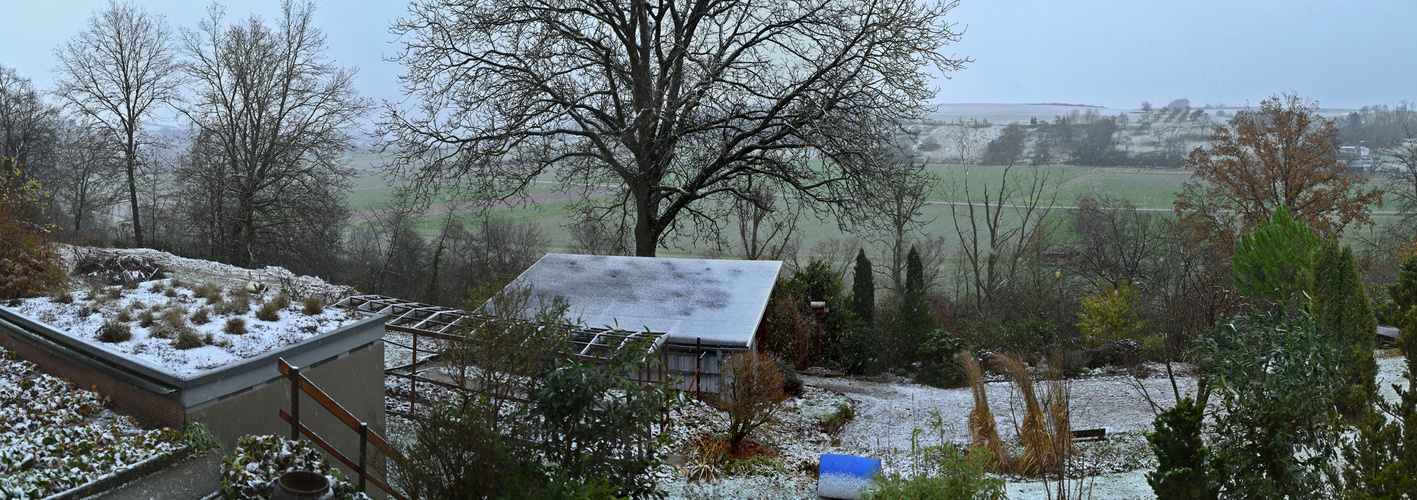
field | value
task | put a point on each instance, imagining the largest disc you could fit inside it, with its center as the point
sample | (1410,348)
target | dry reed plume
(1038,444)
(1059,414)
(982,429)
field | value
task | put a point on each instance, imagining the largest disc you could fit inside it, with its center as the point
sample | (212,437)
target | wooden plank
(310,389)
(344,416)
(1090,434)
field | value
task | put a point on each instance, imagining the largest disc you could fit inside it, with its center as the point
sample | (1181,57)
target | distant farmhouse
(1359,158)
(709,309)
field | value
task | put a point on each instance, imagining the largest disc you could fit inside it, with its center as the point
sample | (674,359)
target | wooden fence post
(294,403)
(363,452)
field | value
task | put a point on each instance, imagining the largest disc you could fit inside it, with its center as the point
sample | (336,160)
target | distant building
(1359,158)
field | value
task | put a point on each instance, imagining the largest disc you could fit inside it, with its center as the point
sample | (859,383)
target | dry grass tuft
(983,431)
(1038,456)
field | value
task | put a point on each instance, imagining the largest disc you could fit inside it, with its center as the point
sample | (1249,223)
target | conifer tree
(1345,315)
(1381,460)
(1274,260)
(914,322)
(863,289)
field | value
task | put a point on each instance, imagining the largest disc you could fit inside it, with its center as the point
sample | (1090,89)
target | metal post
(413,379)
(294,403)
(363,452)
(698,360)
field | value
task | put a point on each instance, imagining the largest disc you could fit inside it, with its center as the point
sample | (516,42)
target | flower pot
(302,485)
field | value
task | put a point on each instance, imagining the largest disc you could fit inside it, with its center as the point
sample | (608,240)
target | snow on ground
(153,345)
(887,414)
(55,436)
(227,276)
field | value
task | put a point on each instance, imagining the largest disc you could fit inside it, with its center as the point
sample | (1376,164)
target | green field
(1144,187)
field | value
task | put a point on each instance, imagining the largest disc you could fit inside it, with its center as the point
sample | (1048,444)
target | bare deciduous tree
(899,206)
(117,73)
(964,139)
(279,117)
(766,222)
(1000,229)
(87,180)
(670,102)
(27,125)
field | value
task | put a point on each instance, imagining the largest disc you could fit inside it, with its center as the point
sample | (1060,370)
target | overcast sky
(1114,53)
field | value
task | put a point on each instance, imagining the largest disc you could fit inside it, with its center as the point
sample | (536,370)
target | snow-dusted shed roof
(719,301)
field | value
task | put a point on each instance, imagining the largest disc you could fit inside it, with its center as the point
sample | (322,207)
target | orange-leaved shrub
(29,262)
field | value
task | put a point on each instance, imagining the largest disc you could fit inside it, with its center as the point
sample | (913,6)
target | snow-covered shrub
(251,470)
(1275,378)
(938,365)
(1183,469)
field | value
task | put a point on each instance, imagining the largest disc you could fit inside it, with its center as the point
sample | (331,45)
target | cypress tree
(863,289)
(1382,462)
(1345,315)
(914,323)
(914,273)
(430,291)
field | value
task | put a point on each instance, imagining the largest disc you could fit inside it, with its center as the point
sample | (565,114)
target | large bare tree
(27,124)
(1001,229)
(668,101)
(86,181)
(278,118)
(900,208)
(117,73)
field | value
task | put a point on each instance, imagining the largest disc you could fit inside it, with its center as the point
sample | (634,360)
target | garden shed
(709,308)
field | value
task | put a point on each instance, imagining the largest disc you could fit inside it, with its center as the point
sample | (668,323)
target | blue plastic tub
(844,476)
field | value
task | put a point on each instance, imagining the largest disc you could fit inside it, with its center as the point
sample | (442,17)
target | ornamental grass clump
(238,304)
(1038,448)
(270,311)
(114,332)
(188,338)
(235,326)
(202,316)
(983,432)
(145,318)
(313,306)
(62,296)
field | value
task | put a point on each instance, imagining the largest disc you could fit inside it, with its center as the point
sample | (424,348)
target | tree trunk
(133,191)
(646,234)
